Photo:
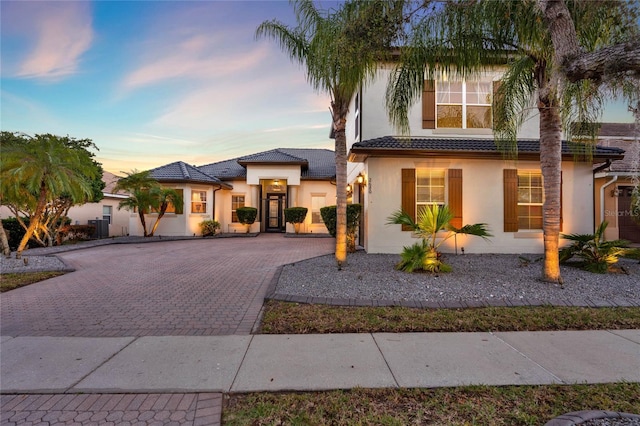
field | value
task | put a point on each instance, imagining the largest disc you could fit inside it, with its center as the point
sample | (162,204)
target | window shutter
(510,200)
(455,196)
(409,194)
(561,218)
(180,208)
(429,105)
(496,102)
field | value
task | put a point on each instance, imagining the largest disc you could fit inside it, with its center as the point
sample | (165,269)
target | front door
(275,213)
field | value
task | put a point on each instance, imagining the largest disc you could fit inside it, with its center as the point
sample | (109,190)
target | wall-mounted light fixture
(349,189)
(615,192)
(361,180)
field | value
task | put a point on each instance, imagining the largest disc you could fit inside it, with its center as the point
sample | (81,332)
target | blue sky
(151,82)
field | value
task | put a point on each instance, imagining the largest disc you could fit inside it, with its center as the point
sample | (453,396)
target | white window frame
(234,206)
(435,172)
(108,217)
(322,197)
(201,201)
(530,203)
(464,104)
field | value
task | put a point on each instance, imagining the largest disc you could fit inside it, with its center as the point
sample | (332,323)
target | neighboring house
(106,209)
(614,182)
(450,158)
(270,181)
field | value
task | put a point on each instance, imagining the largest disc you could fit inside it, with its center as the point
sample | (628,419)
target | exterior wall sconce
(615,192)
(361,180)
(349,189)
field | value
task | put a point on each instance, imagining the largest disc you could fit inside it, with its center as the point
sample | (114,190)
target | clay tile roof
(451,146)
(180,171)
(315,163)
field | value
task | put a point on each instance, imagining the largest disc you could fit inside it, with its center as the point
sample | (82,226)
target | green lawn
(294,318)
(471,405)
(11,281)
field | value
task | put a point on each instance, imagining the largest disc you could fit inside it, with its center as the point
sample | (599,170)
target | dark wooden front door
(628,228)
(275,213)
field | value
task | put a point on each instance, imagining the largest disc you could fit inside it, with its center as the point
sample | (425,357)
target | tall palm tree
(464,38)
(163,198)
(36,171)
(339,56)
(140,186)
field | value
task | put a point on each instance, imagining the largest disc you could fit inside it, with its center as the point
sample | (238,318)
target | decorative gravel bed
(475,277)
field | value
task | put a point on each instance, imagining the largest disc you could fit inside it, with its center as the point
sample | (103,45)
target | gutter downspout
(213,213)
(615,178)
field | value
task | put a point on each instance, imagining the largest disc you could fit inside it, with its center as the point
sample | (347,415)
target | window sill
(463,132)
(528,234)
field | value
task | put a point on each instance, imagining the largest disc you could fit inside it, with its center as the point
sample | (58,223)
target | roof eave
(359,155)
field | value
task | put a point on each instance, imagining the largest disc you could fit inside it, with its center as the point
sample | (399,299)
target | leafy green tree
(433,226)
(42,176)
(340,50)
(146,196)
(464,38)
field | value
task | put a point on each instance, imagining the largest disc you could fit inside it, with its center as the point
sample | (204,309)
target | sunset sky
(151,82)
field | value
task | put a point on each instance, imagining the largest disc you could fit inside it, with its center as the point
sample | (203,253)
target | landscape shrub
(329,217)
(209,227)
(247,216)
(295,216)
(76,233)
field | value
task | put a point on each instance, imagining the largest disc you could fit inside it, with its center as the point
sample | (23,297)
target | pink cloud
(62,31)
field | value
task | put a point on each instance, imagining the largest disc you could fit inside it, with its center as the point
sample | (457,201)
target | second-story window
(463,105)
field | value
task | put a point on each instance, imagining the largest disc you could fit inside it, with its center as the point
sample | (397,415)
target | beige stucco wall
(172,224)
(604,191)
(482,202)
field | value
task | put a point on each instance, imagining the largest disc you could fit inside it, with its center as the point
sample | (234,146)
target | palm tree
(431,222)
(38,170)
(146,195)
(340,55)
(465,38)
(139,185)
(163,198)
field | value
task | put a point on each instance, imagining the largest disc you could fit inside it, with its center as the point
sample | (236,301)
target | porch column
(293,195)
(254,200)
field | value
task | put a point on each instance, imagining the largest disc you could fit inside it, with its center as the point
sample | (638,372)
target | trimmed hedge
(295,214)
(329,215)
(247,215)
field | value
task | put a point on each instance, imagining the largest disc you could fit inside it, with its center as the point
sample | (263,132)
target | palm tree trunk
(34,221)
(143,222)
(155,225)
(4,242)
(551,166)
(341,191)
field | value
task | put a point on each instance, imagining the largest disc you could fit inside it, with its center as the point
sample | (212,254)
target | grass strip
(469,405)
(293,318)
(11,281)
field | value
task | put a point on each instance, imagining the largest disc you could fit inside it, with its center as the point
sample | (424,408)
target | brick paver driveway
(192,287)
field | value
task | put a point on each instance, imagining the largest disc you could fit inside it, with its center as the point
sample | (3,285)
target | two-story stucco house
(450,158)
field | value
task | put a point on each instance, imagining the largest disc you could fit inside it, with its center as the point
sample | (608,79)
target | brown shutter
(496,102)
(429,105)
(561,218)
(409,194)
(180,208)
(455,196)
(510,200)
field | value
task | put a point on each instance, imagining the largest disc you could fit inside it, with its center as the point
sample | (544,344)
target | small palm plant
(596,254)
(431,222)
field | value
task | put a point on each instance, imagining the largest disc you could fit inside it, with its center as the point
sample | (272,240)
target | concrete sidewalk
(315,362)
